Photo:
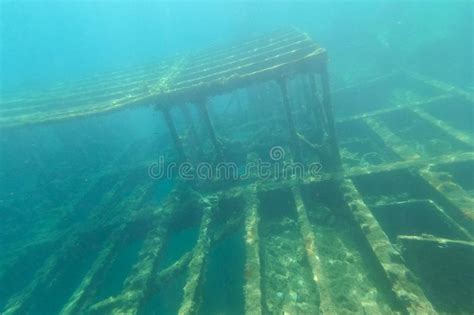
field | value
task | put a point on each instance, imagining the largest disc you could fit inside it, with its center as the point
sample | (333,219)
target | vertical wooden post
(330,124)
(210,127)
(317,106)
(189,122)
(291,124)
(174,134)
(242,113)
(307,97)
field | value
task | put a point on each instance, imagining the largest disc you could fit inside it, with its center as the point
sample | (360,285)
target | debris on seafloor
(332,242)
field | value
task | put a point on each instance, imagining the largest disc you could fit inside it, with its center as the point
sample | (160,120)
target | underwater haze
(236,157)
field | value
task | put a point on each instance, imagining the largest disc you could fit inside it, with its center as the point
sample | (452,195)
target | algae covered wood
(311,245)
(178,80)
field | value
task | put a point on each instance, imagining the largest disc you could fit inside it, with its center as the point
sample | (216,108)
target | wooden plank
(88,287)
(190,303)
(403,283)
(443,86)
(252,287)
(214,54)
(139,283)
(446,221)
(129,83)
(50,269)
(217,62)
(409,164)
(238,66)
(177,81)
(402,149)
(454,193)
(327,305)
(444,265)
(396,107)
(446,128)
(450,190)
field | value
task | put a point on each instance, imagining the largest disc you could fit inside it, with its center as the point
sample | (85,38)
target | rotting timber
(362,235)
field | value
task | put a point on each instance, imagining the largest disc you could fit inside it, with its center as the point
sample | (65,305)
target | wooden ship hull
(385,226)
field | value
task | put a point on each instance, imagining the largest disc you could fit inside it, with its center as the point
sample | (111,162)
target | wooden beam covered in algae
(140,283)
(252,288)
(326,303)
(451,191)
(403,283)
(175,81)
(72,245)
(191,294)
(302,262)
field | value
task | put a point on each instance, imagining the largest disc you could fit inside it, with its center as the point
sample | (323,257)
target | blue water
(71,184)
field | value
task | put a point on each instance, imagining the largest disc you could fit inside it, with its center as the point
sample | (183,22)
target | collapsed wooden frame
(189,78)
(144,279)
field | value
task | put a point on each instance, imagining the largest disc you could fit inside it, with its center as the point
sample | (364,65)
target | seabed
(384,228)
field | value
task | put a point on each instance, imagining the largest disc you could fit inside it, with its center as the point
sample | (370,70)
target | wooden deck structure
(346,240)
(176,81)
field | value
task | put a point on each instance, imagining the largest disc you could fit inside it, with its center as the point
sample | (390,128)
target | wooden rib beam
(255,61)
(289,118)
(440,213)
(109,200)
(237,62)
(133,81)
(139,283)
(316,105)
(177,81)
(83,294)
(435,241)
(182,263)
(403,283)
(17,254)
(49,270)
(190,303)
(235,51)
(129,86)
(330,123)
(95,105)
(136,77)
(419,163)
(451,191)
(446,128)
(252,287)
(174,270)
(397,107)
(443,86)
(358,171)
(392,140)
(326,302)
